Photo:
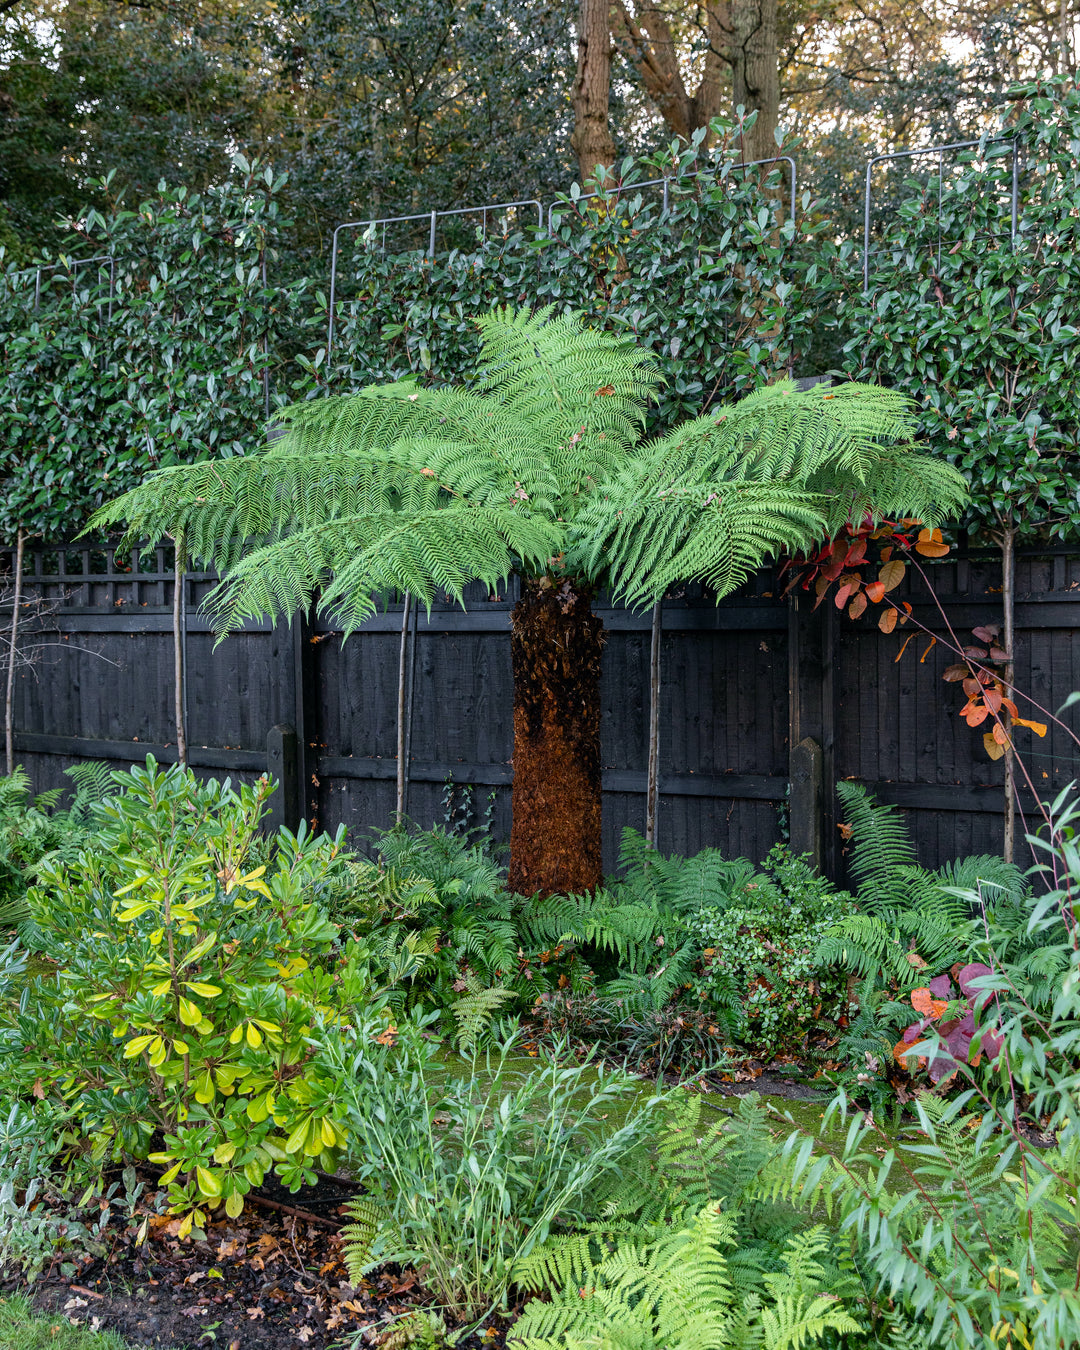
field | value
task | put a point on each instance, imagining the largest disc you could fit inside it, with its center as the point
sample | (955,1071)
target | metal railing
(941,151)
(700,173)
(434,217)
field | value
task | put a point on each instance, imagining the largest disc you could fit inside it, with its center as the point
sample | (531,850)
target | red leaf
(986,632)
(876,591)
(856,553)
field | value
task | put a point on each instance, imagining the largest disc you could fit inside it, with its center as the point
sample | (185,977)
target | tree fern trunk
(556,642)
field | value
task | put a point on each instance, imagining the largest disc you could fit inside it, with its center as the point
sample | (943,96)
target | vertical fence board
(740,683)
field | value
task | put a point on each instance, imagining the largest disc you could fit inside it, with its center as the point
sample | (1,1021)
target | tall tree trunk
(555,643)
(756,73)
(591,139)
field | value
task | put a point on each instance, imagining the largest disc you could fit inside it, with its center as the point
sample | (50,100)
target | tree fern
(538,457)
(536,466)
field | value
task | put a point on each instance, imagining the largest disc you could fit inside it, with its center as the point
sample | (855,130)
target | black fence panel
(742,683)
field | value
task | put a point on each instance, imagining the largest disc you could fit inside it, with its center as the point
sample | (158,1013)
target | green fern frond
(539,456)
(475,1012)
(93,783)
(881,847)
(363,1238)
(723,492)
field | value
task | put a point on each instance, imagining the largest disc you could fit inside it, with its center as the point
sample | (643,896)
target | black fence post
(805,806)
(811,722)
(283,763)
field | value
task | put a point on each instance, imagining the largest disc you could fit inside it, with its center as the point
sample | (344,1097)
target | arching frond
(722,493)
(576,382)
(539,456)
(357,558)
(719,537)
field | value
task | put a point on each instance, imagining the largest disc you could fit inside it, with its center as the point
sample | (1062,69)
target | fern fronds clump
(539,456)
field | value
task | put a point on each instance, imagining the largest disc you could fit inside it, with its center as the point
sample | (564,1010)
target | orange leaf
(1008,703)
(1039,728)
(887,622)
(857,606)
(929,646)
(991,746)
(891,575)
(975,713)
(886,553)
(876,590)
(904,648)
(932,550)
(929,536)
(924,1002)
(999,735)
(900,1050)
(992,699)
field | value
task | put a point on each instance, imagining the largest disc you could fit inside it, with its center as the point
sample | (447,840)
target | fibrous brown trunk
(591,139)
(555,643)
(755,70)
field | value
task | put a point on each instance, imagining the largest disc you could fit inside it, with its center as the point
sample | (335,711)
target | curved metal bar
(940,151)
(699,173)
(433,217)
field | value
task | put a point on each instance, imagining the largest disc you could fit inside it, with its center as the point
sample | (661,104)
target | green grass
(23,1329)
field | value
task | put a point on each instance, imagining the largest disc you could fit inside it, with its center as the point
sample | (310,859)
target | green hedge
(102,383)
(724,287)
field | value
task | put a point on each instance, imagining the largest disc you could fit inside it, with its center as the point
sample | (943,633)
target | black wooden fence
(742,684)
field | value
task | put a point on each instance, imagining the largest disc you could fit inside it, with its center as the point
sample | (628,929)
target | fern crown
(537,463)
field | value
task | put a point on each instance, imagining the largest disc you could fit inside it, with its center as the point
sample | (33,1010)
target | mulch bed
(266,1279)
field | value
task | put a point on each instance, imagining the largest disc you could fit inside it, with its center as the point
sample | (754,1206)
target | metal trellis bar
(433,217)
(700,173)
(74,264)
(941,151)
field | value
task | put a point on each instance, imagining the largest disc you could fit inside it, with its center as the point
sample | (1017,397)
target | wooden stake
(403,665)
(178,652)
(652,786)
(1008,674)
